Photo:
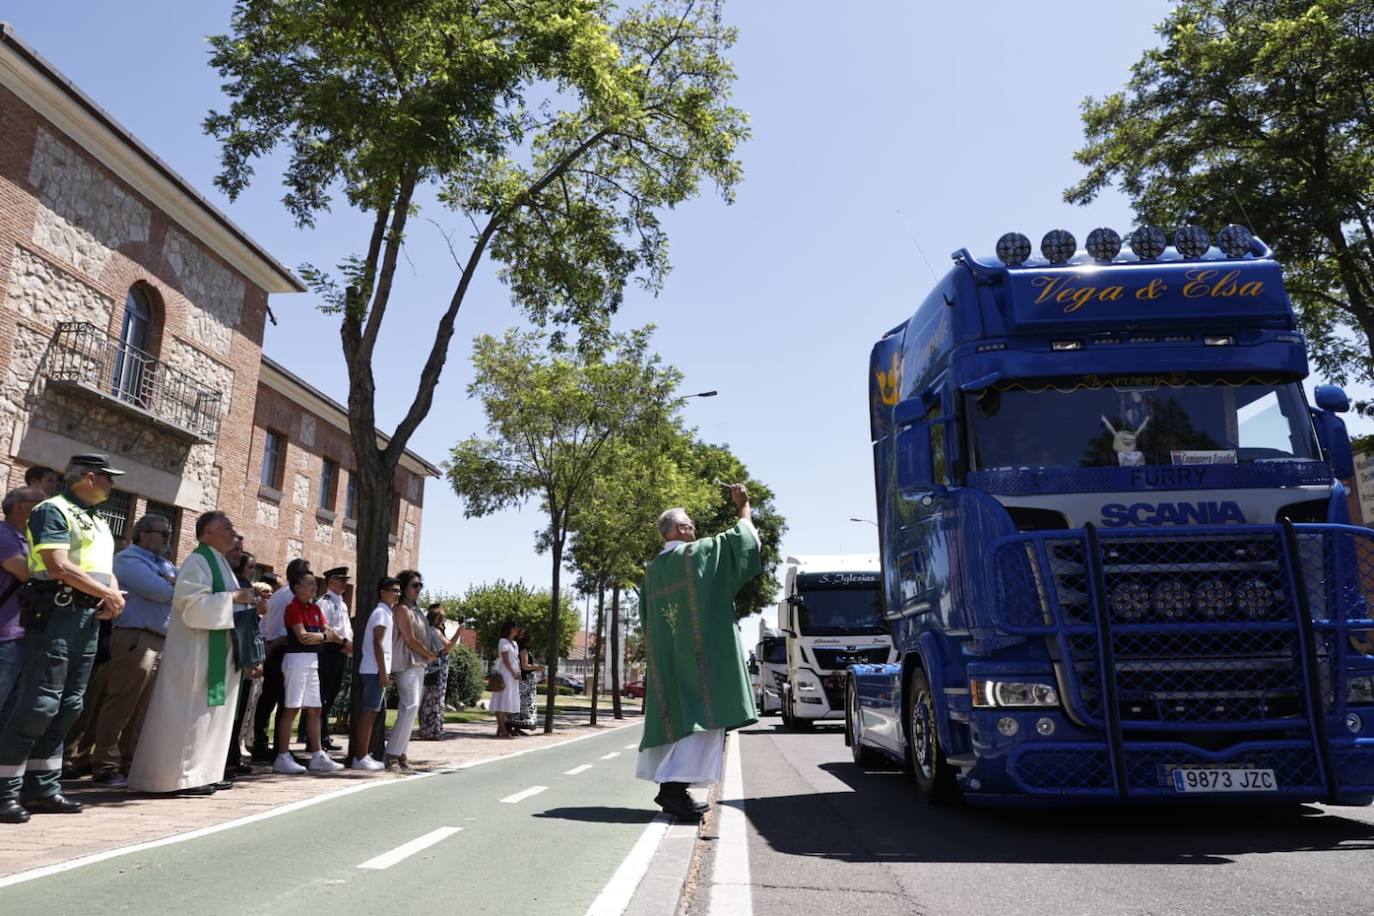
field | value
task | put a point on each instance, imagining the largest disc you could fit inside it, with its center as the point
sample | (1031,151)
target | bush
(465,679)
(562,691)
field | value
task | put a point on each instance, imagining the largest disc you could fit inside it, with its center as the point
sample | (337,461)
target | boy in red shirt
(306,631)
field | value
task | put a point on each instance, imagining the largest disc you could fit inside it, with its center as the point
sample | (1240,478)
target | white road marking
(617,893)
(630,747)
(575,770)
(406,850)
(521,796)
(730,891)
(60,867)
(610,755)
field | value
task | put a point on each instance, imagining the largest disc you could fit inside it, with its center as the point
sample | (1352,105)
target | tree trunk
(555,625)
(376,491)
(596,660)
(614,658)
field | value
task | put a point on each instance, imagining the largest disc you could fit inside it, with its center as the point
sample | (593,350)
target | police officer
(71,588)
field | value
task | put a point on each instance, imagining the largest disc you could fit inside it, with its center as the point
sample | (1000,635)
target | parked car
(575,684)
(635,689)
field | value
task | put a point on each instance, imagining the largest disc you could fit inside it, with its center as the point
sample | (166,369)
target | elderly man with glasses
(137,638)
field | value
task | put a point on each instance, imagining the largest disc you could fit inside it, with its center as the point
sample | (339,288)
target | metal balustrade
(84,356)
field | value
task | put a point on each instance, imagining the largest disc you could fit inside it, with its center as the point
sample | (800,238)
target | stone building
(132,314)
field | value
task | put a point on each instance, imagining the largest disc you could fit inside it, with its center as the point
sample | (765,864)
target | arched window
(132,364)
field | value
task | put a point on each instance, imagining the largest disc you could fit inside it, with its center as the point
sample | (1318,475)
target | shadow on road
(882,820)
(601,815)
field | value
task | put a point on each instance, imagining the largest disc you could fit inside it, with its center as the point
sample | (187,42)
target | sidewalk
(117,817)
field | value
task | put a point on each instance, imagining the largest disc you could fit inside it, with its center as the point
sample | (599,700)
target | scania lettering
(1116,551)
(830,614)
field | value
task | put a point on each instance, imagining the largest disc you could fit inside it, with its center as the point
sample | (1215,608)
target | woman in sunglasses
(410,653)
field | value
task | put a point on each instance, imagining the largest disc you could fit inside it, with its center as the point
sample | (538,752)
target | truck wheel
(925,758)
(865,757)
(785,708)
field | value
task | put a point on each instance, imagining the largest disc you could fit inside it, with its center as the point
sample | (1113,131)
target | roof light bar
(1103,244)
(1192,241)
(1013,248)
(1148,242)
(1235,241)
(1058,245)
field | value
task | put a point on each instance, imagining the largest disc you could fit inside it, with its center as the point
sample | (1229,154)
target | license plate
(1224,780)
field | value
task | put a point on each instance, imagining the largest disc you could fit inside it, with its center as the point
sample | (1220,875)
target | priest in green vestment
(697,687)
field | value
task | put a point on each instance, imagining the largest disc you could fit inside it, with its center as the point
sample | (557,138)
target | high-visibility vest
(90,544)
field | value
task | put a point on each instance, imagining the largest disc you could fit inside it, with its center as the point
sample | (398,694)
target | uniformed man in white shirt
(333,656)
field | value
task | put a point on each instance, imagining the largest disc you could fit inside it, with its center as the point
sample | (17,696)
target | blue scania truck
(1117,556)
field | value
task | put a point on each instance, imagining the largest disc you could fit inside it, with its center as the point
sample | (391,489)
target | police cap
(95,462)
(338,572)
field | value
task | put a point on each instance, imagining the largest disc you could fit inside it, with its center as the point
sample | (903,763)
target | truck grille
(1203,628)
(836,659)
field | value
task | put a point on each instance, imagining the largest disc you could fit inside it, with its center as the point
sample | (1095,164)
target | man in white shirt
(273,681)
(333,656)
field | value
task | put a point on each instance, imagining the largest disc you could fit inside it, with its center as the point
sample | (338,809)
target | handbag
(249,648)
(496,682)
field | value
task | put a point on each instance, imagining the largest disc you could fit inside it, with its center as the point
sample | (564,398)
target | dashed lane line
(630,747)
(406,850)
(575,770)
(611,755)
(521,796)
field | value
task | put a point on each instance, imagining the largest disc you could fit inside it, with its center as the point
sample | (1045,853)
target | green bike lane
(551,851)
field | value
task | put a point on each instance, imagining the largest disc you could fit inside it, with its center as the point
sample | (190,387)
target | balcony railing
(86,358)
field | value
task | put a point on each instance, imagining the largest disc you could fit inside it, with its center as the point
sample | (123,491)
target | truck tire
(865,757)
(925,758)
(789,720)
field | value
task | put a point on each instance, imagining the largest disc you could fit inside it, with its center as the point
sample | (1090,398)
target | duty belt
(60,594)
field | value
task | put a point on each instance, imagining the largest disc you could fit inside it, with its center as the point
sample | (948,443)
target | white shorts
(302,673)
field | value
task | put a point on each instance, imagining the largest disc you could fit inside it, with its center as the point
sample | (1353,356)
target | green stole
(219,639)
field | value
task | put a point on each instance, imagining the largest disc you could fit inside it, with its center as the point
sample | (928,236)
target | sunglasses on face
(392,589)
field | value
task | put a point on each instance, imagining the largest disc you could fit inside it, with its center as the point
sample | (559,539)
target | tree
(1259,112)
(488,606)
(557,131)
(550,415)
(614,531)
(716,513)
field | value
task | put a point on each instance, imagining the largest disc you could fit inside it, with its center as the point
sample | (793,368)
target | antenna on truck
(919,249)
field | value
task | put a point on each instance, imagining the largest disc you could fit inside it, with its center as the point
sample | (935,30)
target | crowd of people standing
(148,675)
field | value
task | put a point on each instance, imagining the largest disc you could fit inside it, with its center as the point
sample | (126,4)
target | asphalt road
(518,848)
(825,836)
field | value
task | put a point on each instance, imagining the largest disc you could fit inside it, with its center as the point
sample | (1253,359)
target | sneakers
(366,763)
(285,763)
(320,762)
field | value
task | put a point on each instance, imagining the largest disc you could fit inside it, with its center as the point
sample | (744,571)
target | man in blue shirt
(136,641)
(14,572)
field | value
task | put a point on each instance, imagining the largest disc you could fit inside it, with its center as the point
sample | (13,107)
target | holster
(39,598)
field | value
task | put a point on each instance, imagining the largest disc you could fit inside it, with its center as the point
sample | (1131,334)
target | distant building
(131,322)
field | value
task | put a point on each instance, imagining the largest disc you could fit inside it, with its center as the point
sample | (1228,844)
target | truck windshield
(837,611)
(775,651)
(1178,421)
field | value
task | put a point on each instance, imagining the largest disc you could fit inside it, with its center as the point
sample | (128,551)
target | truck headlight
(1359,690)
(803,685)
(989,694)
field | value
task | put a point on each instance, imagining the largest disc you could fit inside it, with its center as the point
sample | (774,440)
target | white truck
(768,669)
(831,614)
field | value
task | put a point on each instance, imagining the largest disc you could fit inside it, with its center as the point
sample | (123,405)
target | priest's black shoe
(672,797)
(196,790)
(11,812)
(53,804)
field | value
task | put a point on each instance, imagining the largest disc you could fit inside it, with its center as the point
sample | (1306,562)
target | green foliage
(716,513)
(1258,112)
(465,678)
(559,127)
(543,690)
(486,607)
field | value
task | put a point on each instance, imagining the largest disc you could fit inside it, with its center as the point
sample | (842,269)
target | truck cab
(831,616)
(1117,557)
(768,670)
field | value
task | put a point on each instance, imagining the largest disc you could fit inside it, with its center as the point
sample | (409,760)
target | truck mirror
(1332,398)
(1334,440)
(913,458)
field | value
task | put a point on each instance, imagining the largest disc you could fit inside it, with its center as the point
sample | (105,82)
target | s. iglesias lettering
(1154,515)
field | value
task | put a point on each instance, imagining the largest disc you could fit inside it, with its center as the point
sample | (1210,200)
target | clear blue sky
(960,117)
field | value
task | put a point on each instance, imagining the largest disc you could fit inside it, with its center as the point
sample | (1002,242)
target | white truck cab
(831,616)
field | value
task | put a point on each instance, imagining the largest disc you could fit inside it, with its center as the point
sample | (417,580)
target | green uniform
(697,679)
(58,657)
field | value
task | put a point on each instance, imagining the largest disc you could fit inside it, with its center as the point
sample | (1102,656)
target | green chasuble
(697,678)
